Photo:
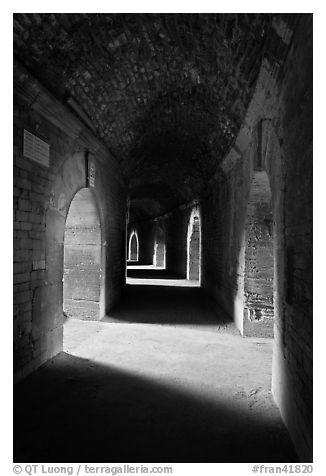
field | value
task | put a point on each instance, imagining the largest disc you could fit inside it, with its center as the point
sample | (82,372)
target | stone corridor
(160,379)
(163,237)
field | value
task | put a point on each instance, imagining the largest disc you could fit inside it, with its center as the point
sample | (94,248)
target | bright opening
(133,254)
(194,246)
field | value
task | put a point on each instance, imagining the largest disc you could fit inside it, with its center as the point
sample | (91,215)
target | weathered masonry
(182,141)
(82,258)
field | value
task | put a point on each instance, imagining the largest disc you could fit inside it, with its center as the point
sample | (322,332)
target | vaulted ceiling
(166,93)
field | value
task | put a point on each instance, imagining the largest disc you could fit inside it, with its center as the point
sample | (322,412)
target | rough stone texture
(190,105)
(156,86)
(82,258)
(292,370)
(193,248)
(282,143)
(194,253)
(41,201)
(258,315)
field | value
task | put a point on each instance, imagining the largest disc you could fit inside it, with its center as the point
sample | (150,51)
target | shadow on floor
(151,273)
(170,305)
(75,410)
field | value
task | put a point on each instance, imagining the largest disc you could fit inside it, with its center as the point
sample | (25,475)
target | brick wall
(42,196)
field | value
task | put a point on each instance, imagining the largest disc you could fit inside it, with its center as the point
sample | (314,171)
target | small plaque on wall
(91,173)
(36,149)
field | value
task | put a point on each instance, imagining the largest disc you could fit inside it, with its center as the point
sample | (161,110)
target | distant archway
(133,254)
(82,258)
(194,246)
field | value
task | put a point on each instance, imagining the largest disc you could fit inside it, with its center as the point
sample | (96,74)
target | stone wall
(42,196)
(170,230)
(82,258)
(258,315)
(144,232)
(176,225)
(163,87)
(224,209)
(159,243)
(194,246)
(277,132)
(292,364)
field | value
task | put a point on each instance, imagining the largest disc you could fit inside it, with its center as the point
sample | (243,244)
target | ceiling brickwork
(166,93)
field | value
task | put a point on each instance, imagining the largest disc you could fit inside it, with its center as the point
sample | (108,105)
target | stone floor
(161,379)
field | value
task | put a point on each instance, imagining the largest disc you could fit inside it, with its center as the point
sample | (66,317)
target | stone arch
(48,300)
(262,236)
(194,245)
(273,162)
(82,258)
(133,248)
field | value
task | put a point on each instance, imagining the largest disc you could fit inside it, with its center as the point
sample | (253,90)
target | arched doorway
(194,246)
(258,280)
(133,254)
(82,258)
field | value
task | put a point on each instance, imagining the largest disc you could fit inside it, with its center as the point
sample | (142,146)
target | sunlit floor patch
(199,360)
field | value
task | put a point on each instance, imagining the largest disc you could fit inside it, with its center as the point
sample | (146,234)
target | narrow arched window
(133,254)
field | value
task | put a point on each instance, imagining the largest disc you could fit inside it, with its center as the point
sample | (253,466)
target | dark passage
(160,297)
